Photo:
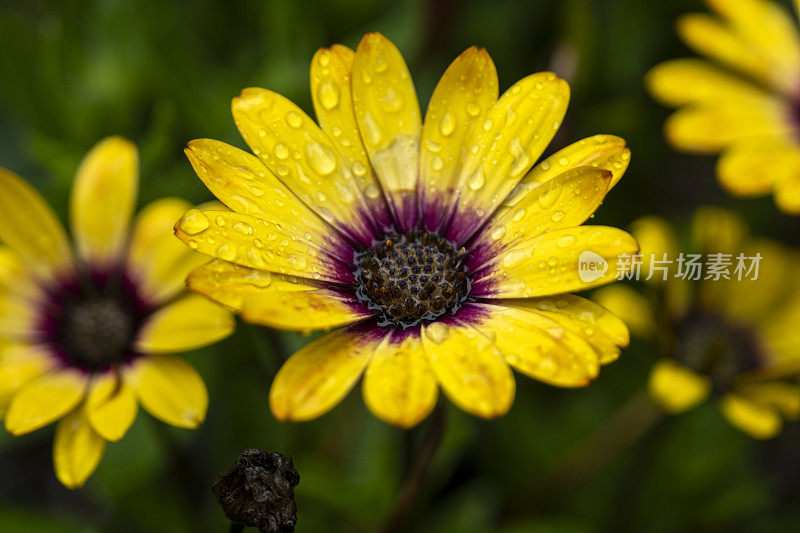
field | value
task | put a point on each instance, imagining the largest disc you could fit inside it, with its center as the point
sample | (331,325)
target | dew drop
(558,216)
(565,241)
(193,222)
(437,163)
(293,119)
(371,130)
(448,124)
(498,232)
(477,179)
(329,95)
(437,332)
(473,109)
(281,151)
(226,252)
(320,158)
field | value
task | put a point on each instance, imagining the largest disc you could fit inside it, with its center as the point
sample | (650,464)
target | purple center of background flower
(411,277)
(91,320)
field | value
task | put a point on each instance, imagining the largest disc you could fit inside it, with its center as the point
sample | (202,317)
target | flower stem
(419,468)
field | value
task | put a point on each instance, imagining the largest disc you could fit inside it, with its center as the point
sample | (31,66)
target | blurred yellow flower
(735,339)
(748,107)
(85,337)
(444,255)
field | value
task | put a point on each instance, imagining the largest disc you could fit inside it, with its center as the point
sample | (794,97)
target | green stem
(416,476)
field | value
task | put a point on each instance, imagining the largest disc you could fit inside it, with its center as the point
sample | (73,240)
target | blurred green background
(162,73)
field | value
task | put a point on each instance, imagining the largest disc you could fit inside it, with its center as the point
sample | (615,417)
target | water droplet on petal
(293,119)
(438,332)
(281,151)
(226,252)
(498,232)
(448,124)
(329,95)
(193,222)
(321,158)
(477,179)
(473,109)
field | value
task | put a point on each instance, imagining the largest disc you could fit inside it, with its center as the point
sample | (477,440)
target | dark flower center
(718,347)
(411,277)
(92,321)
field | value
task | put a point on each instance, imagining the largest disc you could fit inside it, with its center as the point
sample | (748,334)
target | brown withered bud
(258,491)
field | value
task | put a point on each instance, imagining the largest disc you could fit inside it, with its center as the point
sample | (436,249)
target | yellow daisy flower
(444,255)
(748,107)
(733,339)
(86,336)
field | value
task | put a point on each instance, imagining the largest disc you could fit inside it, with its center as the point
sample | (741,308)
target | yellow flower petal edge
(318,376)
(676,388)
(470,368)
(170,389)
(30,227)
(111,406)
(103,199)
(275,300)
(630,306)
(77,450)
(185,324)
(45,399)
(757,420)
(399,386)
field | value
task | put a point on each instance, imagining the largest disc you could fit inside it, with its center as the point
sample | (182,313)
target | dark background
(162,73)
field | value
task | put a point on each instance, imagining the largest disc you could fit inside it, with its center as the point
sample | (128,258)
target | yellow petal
(754,166)
(389,121)
(19,316)
(463,95)
(758,421)
(103,199)
(332,94)
(170,390)
(630,306)
(605,152)
(711,126)
(514,133)
(676,388)
(313,380)
(710,37)
(657,243)
(770,30)
(683,81)
(594,323)
(715,229)
(20,364)
(783,396)
(30,227)
(787,195)
(275,300)
(556,262)
(565,201)
(399,386)
(304,158)
(77,450)
(186,324)
(258,243)
(111,406)
(470,368)
(538,346)
(242,182)
(45,399)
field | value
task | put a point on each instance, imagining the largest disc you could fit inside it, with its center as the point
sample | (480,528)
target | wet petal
(77,450)
(399,386)
(676,388)
(514,133)
(304,158)
(592,322)
(317,377)
(470,368)
(258,243)
(111,406)
(103,199)
(556,262)
(30,227)
(389,121)
(332,94)
(170,389)
(45,399)
(538,346)
(462,97)
(757,420)
(605,152)
(565,201)
(275,300)
(186,324)
(242,182)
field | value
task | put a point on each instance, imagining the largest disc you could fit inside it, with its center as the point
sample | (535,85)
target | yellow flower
(748,107)
(736,339)
(444,255)
(86,336)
